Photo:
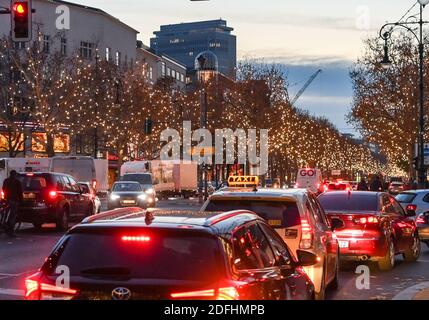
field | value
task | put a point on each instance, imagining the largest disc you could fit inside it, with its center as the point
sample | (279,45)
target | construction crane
(307,84)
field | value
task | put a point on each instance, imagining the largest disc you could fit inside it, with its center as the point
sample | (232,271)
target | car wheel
(412,254)
(387,263)
(336,282)
(63,220)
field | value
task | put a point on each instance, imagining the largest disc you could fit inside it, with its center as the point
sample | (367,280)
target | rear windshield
(126,187)
(140,178)
(406,197)
(285,212)
(33,183)
(163,255)
(349,202)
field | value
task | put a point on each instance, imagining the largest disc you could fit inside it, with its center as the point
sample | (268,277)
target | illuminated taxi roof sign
(243,181)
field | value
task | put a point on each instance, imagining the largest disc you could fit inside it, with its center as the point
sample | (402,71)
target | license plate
(343,244)
(128,202)
(29,196)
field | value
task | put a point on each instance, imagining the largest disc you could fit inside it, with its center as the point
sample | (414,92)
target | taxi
(298,218)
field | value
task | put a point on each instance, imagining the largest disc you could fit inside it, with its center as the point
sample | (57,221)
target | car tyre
(62,223)
(387,263)
(412,254)
(335,284)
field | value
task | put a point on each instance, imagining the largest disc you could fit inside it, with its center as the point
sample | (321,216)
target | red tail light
(366,220)
(411,207)
(35,290)
(2,194)
(307,235)
(227,293)
(421,220)
(53,194)
(94,184)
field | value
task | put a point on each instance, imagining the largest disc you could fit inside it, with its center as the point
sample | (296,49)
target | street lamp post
(385,33)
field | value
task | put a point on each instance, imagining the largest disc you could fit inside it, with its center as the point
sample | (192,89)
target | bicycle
(4,217)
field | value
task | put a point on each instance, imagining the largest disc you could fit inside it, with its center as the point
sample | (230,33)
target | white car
(417,200)
(89,191)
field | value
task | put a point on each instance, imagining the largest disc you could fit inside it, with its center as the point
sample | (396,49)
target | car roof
(123,182)
(262,193)
(361,193)
(212,222)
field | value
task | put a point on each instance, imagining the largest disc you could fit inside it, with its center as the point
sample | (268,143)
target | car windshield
(127,187)
(285,212)
(169,255)
(349,202)
(406,197)
(32,183)
(140,178)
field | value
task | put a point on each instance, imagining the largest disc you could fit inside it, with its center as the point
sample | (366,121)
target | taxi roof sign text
(243,181)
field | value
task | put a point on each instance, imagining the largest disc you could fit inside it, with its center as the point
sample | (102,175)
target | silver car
(417,200)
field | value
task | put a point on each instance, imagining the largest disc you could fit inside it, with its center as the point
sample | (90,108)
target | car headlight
(142,197)
(114,197)
(150,191)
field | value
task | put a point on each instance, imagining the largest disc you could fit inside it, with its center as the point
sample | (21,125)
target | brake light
(421,220)
(227,293)
(34,290)
(2,194)
(53,194)
(366,220)
(136,238)
(94,184)
(30,174)
(307,235)
(411,207)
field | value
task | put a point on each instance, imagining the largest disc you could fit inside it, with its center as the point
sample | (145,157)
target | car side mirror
(306,259)
(337,224)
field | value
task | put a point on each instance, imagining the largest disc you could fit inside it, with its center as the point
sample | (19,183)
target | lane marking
(12,292)
(411,292)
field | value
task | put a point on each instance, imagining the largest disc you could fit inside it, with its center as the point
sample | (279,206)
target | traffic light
(148,125)
(416,163)
(21,19)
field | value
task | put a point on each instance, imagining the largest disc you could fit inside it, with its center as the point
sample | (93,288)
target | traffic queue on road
(246,242)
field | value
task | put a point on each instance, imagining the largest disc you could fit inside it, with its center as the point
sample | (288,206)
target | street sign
(425,152)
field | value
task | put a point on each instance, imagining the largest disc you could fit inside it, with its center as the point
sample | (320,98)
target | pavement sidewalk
(417,292)
(422,295)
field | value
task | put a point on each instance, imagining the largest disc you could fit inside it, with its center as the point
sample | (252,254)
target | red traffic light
(20,8)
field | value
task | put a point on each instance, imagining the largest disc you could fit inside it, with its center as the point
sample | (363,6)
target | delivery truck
(22,165)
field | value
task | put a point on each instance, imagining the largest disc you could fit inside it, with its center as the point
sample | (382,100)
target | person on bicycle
(12,190)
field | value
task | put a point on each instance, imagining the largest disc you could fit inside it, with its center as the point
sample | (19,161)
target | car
(297,217)
(140,254)
(417,200)
(423,226)
(145,180)
(354,185)
(396,187)
(376,227)
(128,194)
(52,198)
(89,191)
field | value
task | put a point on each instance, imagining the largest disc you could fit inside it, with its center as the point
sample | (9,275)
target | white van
(22,165)
(311,179)
(84,169)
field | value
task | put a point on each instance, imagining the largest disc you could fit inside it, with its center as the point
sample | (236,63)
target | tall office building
(185,41)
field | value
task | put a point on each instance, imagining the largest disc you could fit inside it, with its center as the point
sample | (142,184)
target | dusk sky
(303,35)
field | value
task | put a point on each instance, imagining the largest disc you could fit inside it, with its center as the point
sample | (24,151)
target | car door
(404,226)
(294,285)
(327,238)
(254,262)
(75,197)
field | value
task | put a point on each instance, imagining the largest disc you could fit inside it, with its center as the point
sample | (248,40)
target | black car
(52,198)
(128,194)
(150,255)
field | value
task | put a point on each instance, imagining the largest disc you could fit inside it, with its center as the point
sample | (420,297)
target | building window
(118,58)
(151,73)
(173,73)
(126,60)
(163,69)
(86,50)
(108,54)
(168,72)
(46,44)
(178,76)
(63,46)
(182,77)
(19,45)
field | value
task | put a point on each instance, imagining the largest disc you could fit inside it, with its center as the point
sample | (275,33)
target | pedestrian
(376,185)
(362,186)
(12,190)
